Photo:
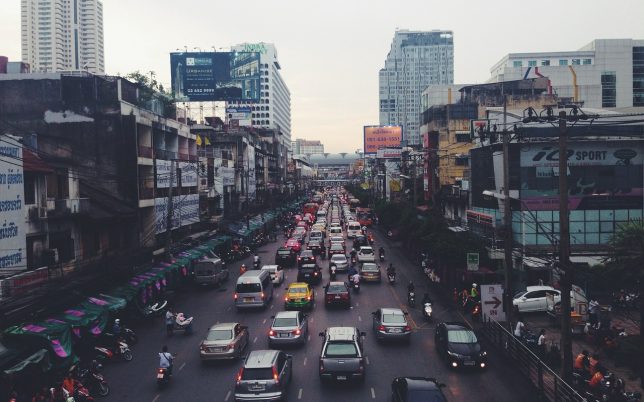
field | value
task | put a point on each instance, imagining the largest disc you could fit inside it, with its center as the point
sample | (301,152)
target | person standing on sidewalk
(541,343)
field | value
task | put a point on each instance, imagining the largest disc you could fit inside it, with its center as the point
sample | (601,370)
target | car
(309,273)
(366,254)
(534,298)
(342,357)
(303,223)
(299,236)
(391,324)
(336,248)
(305,257)
(370,272)
(293,244)
(288,328)
(315,246)
(316,235)
(337,293)
(340,262)
(457,344)
(360,241)
(336,239)
(299,295)
(285,256)
(224,341)
(414,389)
(277,273)
(265,376)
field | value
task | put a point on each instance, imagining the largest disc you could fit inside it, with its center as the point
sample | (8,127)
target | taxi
(299,295)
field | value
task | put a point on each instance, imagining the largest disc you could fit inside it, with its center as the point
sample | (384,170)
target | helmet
(243,265)
(474,285)
(117,321)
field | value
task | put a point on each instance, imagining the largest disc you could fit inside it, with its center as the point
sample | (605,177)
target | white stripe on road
(305,361)
(373,393)
(271,306)
(357,304)
(227,396)
(264,322)
(299,394)
(255,340)
(367,359)
(182,366)
(359,318)
(308,338)
(156,398)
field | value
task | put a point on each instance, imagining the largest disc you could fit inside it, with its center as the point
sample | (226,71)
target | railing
(145,151)
(550,386)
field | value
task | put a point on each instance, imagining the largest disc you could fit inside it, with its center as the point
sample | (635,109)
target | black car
(336,248)
(285,256)
(412,389)
(305,257)
(458,345)
(337,293)
(315,246)
(360,241)
(309,273)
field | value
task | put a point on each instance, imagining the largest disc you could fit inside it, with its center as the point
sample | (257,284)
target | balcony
(67,207)
(145,151)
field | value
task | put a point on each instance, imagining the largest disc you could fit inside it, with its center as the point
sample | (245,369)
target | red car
(293,244)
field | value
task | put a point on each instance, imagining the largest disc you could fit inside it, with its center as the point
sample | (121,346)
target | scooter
(411,299)
(256,264)
(382,257)
(108,353)
(427,311)
(93,379)
(392,278)
(129,336)
(155,310)
(163,376)
(333,275)
(355,286)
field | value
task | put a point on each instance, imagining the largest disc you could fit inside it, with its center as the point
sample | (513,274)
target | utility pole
(415,181)
(170,210)
(564,251)
(507,217)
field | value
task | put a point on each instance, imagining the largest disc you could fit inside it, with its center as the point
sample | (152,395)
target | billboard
(376,137)
(13,238)
(601,175)
(215,76)
(241,115)
(185,211)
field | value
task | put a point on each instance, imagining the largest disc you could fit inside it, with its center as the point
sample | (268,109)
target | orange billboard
(376,137)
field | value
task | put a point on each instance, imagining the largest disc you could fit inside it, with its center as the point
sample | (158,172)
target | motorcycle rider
(410,287)
(333,268)
(381,251)
(256,261)
(166,360)
(169,321)
(355,279)
(520,328)
(243,268)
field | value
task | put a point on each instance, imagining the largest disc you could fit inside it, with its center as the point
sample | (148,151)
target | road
(194,381)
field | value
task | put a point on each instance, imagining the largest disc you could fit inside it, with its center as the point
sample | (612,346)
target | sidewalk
(538,321)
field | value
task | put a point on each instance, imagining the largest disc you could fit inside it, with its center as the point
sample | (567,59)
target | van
(254,289)
(354,230)
(335,231)
(210,271)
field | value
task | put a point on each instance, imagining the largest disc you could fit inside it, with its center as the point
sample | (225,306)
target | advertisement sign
(13,256)
(472,261)
(477,126)
(601,175)
(376,137)
(163,174)
(185,211)
(227,176)
(492,302)
(389,153)
(189,174)
(215,76)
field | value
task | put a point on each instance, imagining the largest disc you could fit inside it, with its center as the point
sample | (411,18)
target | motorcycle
(333,275)
(353,259)
(163,376)
(154,310)
(356,286)
(181,324)
(392,278)
(411,299)
(427,311)
(256,264)
(476,311)
(109,353)
(129,336)
(93,379)
(382,257)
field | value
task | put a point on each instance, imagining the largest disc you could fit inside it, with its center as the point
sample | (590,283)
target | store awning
(40,357)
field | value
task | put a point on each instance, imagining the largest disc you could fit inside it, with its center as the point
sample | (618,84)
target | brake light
(407,328)
(297,332)
(381,328)
(345,295)
(160,371)
(239,375)
(231,346)
(236,296)
(286,298)
(308,298)
(315,273)
(275,375)
(321,366)
(271,333)
(262,295)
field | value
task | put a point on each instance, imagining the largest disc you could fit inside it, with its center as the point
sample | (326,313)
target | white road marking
(359,318)
(311,320)
(228,309)
(156,398)
(264,322)
(357,304)
(305,361)
(299,394)
(271,306)
(182,366)
(367,359)
(373,393)
(227,396)
(255,340)
(308,338)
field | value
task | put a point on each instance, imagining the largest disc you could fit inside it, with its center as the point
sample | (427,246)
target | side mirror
(321,334)
(363,334)
(273,317)
(406,312)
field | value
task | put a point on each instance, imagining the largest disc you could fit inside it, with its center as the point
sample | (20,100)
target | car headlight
(484,353)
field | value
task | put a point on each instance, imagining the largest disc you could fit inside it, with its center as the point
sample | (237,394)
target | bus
(364,216)
(353,204)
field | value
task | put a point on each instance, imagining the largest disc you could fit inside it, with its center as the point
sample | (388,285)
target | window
(609,89)
(462,137)
(532,63)
(638,76)
(587,61)
(517,63)
(563,62)
(545,62)
(576,62)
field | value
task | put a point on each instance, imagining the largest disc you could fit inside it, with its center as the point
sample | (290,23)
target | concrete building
(606,73)
(416,60)
(63,35)
(13,67)
(274,107)
(306,147)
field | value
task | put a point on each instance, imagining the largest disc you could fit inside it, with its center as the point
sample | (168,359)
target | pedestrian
(169,321)
(541,342)
(593,309)
(519,329)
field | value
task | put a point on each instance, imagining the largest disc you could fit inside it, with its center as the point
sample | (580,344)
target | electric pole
(507,217)
(564,251)
(170,211)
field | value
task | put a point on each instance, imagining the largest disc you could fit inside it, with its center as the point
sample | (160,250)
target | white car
(366,254)
(340,261)
(276,272)
(534,298)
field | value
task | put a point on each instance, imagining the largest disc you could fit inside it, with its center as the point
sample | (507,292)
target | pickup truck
(342,357)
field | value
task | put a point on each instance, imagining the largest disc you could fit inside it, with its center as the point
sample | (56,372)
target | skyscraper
(63,35)
(416,59)
(273,110)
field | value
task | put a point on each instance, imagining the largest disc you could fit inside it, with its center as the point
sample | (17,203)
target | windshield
(257,374)
(393,319)
(341,349)
(285,322)
(336,246)
(461,336)
(297,290)
(337,289)
(284,252)
(366,251)
(219,335)
(248,288)
(338,258)
(370,268)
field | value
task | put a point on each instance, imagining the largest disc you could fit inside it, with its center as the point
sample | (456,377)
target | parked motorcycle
(411,299)
(427,311)
(93,379)
(107,353)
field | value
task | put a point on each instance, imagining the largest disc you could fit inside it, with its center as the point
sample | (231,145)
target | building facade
(62,35)
(416,60)
(306,147)
(273,110)
(606,73)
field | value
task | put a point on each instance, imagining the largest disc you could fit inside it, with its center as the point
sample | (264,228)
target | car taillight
(361,367)
(160,371)
(203,348)
(345,295)
(236,296)
(407,328)
(231,346)
(315,273)
(262,295)
(286,298)
(297,332)
(271,333)
(275,375)
(381,328)
(321,366)
(239,375)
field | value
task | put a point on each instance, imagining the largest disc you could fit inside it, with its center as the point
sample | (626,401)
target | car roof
(534,288)
(336,283)
(419,383)
(456,326)
(270,267)
(223,325)
(287,314)
(366,247)
(391,310)
(298,284)
(341,333)
(260,358)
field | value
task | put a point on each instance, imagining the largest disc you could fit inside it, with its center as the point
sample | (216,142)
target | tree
(151,89)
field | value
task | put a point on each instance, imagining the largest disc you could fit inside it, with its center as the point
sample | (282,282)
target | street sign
(492,301)
(472,261)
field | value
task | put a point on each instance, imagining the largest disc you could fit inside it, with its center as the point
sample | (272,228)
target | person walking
(541,343)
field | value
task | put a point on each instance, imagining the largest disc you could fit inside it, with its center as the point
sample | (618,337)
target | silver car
(366,254)
(340,261)
(265,376)
(288,328)
(391,324)
(224,341)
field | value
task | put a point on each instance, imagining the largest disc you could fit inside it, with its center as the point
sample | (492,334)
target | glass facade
(638,76)
(609,89)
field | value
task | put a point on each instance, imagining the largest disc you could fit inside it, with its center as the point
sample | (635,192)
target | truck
(579,313)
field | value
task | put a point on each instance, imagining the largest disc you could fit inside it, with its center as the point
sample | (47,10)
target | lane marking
(299,394)
(271,306)
(228,309)
(373,393)
(227,395)
(264,322)
(255,340)
(366,358)
(305,358)
(357,304)
(311,320)
(308,338)
(182,366)
(156,398)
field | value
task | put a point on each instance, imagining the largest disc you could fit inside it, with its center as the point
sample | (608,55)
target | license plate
(256,387)
(283,335)
(396,330)
(337,297)
(248,299)
(342,377)
(159,376)
(468,363)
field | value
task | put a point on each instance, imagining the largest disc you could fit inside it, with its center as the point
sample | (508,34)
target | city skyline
(329,60)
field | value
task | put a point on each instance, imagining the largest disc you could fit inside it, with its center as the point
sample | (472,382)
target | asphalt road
(194,381)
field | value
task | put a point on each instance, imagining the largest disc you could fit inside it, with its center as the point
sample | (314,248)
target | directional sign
(492,301)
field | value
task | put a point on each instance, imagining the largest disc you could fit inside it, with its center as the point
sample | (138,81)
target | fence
(550,386)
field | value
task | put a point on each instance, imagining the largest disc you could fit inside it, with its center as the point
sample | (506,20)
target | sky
(331,51)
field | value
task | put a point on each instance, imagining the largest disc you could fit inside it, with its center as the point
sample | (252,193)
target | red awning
(32,163)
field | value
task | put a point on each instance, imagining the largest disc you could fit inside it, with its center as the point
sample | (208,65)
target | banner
(185,211)
(376,137)
(13,240)
(163,174)
(189,174)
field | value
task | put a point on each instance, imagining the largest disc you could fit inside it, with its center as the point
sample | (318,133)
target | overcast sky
(330,51)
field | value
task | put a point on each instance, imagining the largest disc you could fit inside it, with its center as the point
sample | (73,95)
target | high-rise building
(63,35)
(304,147)
(416,60)
(273,110)
(606,73)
